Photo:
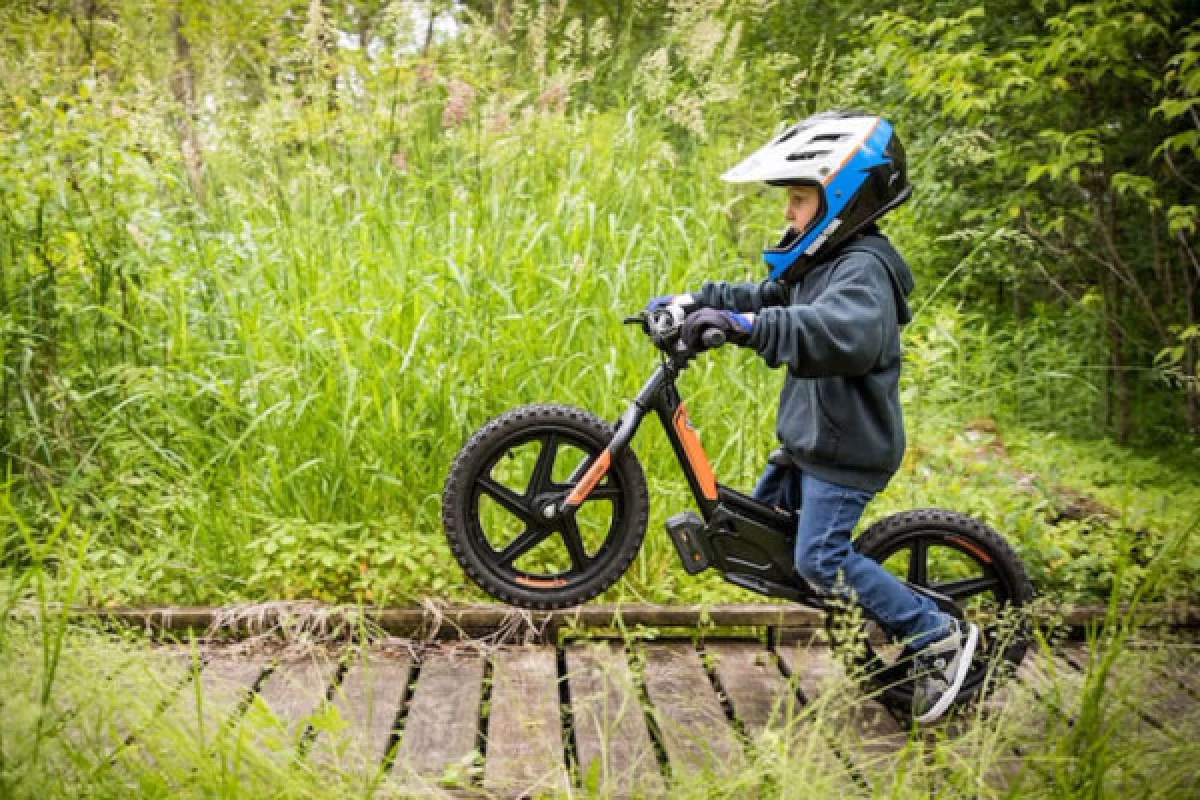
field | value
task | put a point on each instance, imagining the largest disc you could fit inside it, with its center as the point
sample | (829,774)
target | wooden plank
(296,689)
(226,685)
(616,756)
(1142,681)
(455,621)
(696,735)
(751,680)
(104,699)
(227,681)
(368,700)
(864,730)
(525,755)
(443,721)
(1054,681)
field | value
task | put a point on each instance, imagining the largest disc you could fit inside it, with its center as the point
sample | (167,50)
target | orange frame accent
(694,451)
(590,479)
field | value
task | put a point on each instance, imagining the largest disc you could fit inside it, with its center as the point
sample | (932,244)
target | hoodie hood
(873,242)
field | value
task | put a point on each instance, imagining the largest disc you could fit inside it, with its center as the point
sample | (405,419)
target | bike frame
(750,542)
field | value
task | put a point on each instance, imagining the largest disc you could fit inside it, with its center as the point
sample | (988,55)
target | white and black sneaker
(939,669)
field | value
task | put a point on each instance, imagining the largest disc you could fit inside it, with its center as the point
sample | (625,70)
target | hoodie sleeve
(743,297)
(841,332)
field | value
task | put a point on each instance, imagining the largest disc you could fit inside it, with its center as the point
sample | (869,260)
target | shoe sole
(960,674)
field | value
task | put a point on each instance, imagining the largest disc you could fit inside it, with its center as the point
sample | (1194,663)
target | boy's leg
(827,559)
(779,486)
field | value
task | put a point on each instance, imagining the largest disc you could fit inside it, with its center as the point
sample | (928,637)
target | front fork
(659,395)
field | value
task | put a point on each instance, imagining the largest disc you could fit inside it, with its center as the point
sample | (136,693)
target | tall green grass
(109,716)
(256,392)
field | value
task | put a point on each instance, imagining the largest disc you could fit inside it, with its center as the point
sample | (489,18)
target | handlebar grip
(712,338)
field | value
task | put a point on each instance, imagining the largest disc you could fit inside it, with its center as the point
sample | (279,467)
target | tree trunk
(1191,359)
(502,20)
(88,9)
(433,10)
(1123,406)
(183,86)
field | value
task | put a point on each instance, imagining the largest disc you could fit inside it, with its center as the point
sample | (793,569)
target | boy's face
(803,205)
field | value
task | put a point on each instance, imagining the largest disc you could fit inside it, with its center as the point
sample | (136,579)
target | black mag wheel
(501,500)
(961,558)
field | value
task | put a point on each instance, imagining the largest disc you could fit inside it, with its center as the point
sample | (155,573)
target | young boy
(831,310)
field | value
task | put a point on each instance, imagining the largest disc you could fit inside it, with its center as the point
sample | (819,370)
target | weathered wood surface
(456,621)
(635,725)
(696,734)
(763,700)
(226,686)
(865,731)
(296,689)
(525,752)
(751,680)
(611,738)
(442,730)
(368,699)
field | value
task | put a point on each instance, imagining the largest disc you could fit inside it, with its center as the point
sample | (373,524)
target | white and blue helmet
(857,162)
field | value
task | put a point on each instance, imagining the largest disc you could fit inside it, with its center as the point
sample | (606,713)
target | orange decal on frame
(590,479)
(695,453)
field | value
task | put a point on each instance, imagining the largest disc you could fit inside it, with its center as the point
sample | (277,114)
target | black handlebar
(664,327)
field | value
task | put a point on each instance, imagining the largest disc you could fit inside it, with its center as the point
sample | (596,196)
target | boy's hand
(684,301)
(736,327)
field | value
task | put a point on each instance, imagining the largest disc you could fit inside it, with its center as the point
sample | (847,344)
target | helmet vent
(808,155)
(788,134)
(829,137)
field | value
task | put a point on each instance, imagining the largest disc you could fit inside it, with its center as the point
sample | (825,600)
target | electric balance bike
(546,506)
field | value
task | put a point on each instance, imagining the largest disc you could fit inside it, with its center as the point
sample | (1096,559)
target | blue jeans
(826,558)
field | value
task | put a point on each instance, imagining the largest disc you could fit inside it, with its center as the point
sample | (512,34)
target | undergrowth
(253,390)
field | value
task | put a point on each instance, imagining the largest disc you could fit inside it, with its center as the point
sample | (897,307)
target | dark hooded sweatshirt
(838,332)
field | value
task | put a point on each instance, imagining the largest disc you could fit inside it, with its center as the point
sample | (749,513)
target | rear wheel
(501,508)
(963,560)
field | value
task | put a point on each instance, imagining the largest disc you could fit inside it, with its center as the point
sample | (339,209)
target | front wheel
(961,559)
(502,508)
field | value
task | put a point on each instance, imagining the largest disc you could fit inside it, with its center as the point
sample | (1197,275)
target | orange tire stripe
(971,548)
(542,583)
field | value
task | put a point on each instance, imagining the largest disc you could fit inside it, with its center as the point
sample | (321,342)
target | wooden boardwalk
(624,719)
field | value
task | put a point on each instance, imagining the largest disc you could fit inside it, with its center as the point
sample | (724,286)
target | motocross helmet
(856,162)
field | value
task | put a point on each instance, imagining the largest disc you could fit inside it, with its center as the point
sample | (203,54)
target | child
(831,310)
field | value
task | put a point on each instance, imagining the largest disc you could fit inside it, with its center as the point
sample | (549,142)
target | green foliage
(245,368)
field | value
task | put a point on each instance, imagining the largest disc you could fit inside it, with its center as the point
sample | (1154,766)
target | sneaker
(939,670)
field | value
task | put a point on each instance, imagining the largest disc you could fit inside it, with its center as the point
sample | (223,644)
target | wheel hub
(546,506)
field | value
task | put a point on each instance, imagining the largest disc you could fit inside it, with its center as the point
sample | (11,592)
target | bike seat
(780,458)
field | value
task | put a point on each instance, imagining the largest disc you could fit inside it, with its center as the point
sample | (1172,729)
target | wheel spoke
(512,502)
(967,587)
(539,480)
(574,543)
(606,492)
(522,544)
(918,563)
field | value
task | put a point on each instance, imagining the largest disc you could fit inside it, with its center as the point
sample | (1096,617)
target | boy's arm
(745,297)
(839,333)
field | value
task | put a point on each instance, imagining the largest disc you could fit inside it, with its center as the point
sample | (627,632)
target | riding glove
(735,326)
